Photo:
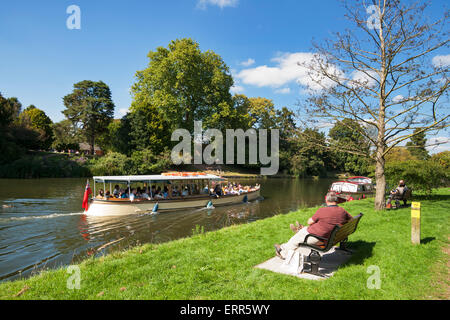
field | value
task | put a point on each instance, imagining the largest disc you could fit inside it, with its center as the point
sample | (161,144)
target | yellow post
(415,222)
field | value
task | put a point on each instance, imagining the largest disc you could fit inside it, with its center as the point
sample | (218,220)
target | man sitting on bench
(398,194)
(320,224)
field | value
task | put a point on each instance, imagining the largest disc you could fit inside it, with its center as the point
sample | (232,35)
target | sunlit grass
(220,264)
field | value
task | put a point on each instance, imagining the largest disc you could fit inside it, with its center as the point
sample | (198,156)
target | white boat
(197,182)
(353,188)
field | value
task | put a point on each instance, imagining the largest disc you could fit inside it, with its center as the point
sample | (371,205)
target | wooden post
(415,222)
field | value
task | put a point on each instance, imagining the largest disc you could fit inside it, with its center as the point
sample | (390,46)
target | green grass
(220,264)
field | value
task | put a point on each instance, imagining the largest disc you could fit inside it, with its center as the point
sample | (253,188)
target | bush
(113,164)
(146,162)
(43,166)
(420,175)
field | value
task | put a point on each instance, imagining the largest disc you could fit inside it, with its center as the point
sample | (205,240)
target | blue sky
(41,59)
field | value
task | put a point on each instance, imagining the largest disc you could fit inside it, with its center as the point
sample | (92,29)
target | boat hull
(117,208)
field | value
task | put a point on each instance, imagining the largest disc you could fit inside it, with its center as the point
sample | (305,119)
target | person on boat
(397,194)
(218,190)
(133,195)
(145,195)
(101,193)
(116,191)
(123,194)
(320,224)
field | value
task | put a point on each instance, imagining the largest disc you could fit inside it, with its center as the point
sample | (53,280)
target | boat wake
(48,216)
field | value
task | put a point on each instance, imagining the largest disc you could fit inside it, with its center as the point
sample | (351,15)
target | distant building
(86,148)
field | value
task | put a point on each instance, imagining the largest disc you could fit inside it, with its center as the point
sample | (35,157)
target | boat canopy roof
(156,178)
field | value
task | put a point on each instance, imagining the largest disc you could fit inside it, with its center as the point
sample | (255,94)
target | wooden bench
(404,197)
(339,234)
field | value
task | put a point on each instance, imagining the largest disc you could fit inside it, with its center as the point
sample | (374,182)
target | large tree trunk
(380,179)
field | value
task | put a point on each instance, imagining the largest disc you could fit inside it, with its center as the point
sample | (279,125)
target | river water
(42,224)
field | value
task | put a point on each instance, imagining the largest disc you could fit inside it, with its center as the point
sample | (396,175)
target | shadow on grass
(427,240)
(433,197)
(362,250)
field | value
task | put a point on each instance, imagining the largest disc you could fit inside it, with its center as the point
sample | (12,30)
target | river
(42,224)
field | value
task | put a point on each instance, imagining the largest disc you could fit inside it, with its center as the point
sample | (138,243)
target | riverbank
(220,264)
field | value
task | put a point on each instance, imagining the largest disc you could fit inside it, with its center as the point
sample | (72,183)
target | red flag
(87,192)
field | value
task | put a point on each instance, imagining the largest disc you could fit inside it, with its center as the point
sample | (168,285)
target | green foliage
(9,110)
(64,136)
(310,159)
(183,84)
(346,135)
(112,164)
(443,158)
(90,108)
(44,166)
(417,145)
(36,119)
(421,175)
(140,163)
(146,162)
(147,129)
(399,154)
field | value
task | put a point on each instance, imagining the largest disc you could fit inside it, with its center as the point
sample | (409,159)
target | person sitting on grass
(397,194)
(320,224)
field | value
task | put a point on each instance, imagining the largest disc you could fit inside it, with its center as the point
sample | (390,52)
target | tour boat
(353,188)
(198,185)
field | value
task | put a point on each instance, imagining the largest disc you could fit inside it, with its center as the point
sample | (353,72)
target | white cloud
(248,63)
(283,91)
(202,4)
(286,70)
(398,98)
(365,79)
(123,111)
(236,89)
(441,61)
(438,144)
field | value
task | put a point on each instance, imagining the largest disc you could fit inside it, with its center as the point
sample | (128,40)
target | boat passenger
(185,192)
(218,190)
(133,195)
(123,194)
(165,192)
(116,191)
(101,193)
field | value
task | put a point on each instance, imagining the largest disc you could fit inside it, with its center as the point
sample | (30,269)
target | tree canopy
(90,108)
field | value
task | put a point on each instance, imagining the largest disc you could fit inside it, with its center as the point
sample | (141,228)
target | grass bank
(219,264)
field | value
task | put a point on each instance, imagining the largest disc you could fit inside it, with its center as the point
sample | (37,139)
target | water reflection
(42,224)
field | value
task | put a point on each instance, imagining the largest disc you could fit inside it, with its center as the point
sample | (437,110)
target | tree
(64,136)
(346,134)
(183,84)
(380,74)
(399,154)
(9,110)
(309,159)
(417,145)
(36,119)
(90,108)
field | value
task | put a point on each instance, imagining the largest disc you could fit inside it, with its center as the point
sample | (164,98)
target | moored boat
(166,192)
(354,188)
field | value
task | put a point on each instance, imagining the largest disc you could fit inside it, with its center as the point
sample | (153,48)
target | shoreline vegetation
(36,165)
(220,264)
